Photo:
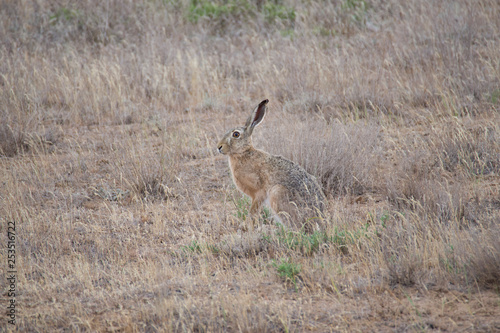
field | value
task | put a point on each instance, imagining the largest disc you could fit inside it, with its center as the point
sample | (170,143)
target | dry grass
(344,157)
(127,219)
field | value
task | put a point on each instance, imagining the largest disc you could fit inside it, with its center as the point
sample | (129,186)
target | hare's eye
(236,134)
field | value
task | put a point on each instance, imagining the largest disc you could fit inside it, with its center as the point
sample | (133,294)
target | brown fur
(292,192)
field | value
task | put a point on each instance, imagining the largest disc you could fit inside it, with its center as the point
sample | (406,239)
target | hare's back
(293,177)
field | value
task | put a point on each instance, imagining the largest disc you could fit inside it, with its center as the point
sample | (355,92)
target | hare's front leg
(253,216)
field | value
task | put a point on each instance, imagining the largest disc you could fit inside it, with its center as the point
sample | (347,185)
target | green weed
(239,11)
(65,14)
(305,243)
(342,237)
(273,11)
(356,9)
(193,247)
(196,248)
(308,244)
(242,206)
(450,262)
(287,270)
(495,96)
(218,11)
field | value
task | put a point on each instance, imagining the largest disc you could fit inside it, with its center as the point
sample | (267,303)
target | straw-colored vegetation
(127,218)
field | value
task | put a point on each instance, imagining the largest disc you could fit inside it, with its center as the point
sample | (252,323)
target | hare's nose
(220,149)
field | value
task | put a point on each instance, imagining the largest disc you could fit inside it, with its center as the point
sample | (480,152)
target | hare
(286,187)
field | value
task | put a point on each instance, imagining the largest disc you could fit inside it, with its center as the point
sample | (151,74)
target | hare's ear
(257,116)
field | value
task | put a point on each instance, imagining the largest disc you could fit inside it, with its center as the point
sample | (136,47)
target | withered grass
(127,218)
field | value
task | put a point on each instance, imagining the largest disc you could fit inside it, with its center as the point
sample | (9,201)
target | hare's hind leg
(278,198)
(295,214)
(280,203)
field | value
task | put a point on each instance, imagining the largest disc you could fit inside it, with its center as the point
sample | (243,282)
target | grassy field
(127,217)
